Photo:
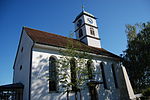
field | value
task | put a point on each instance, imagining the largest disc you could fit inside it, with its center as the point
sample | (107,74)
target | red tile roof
(51,39)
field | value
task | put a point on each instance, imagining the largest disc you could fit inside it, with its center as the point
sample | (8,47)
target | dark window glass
(92,31)
(89,68)
(73,74)
(79,23)
(22,49)
(103,75)
(80,33)
(52,74)
(21,67)
(114,74)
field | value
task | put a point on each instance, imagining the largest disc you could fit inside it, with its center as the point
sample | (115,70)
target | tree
(73,72)
(137,55)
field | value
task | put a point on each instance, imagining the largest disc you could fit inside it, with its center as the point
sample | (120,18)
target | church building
(37,49)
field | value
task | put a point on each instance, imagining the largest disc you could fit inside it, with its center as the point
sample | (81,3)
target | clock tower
(86,29)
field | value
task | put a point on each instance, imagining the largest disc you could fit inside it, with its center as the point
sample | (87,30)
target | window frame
(53,86)
(114,75)
(89,69)
(92,32)
(80,33)
(73,74)
(103,75)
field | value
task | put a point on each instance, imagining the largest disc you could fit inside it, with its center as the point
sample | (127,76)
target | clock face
(90,20)
(79,23)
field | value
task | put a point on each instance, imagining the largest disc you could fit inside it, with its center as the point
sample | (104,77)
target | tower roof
(51,39)
(84,13)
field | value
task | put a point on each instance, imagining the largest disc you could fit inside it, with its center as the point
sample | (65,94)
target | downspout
(30,71)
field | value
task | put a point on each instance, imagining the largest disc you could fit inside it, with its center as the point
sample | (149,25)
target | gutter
(30,71)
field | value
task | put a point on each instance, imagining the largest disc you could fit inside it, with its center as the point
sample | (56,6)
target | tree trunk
(80,95)
(67,95)
(93,93)
(76,96)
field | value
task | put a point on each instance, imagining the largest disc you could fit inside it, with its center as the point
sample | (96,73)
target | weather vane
(82,6)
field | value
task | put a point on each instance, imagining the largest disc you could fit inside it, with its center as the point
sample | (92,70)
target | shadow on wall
(40,83)
(111,92)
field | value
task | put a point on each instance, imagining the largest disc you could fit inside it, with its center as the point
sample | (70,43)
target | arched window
(52,74)
(114,74)
(103,75)
(89,68)
(73,74)
(92,31)
(80,33)
(92,86)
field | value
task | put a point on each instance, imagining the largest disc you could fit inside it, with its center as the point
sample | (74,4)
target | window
(92,31)
(79,23)
(20,67)
(92,86)
(80,33)
(103,75)
(52,74)
(89,68)
(114,74)
(22,49)
(73,74)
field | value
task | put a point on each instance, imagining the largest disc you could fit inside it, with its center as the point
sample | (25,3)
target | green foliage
(137,55)
(146,92)
(73,52)
(80,69)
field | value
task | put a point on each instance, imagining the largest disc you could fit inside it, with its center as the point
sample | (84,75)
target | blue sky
(56,16)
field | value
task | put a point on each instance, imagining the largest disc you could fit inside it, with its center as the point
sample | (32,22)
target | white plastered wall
(23,59)
(39,77)
(93,42)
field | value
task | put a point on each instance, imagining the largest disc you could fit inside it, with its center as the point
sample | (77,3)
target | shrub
(146,92)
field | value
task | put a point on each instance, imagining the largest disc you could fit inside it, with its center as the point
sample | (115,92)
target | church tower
(86,29)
